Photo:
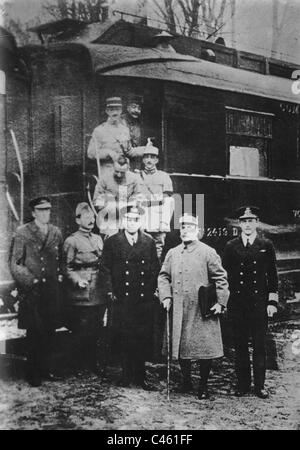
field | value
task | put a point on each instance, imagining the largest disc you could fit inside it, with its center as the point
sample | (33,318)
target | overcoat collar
(37,236)
(190,247)
(131,250)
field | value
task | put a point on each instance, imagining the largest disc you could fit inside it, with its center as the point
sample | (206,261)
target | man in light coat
(187,267)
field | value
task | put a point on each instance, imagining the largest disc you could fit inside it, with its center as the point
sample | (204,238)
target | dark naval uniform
(253,284)
(133,271)
(82,261)
(36,267)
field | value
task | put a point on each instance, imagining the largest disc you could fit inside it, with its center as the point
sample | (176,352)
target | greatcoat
(183,272)
(35,256)
(132,273)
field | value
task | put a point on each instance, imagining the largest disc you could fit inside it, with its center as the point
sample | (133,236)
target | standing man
(113,192)
(251,265)
(132,119)
(157,190)
(131,262)
(36,267)
(187,267)
(85,284)
(110,139)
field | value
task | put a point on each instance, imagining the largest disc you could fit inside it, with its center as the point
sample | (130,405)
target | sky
(253,24)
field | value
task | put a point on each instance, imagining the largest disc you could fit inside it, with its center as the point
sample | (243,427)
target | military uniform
(253,284)
(160,207)
(133,271)
(136,150)
(110,195)
(187,267)
(107,143)
(82,261)
(35,264)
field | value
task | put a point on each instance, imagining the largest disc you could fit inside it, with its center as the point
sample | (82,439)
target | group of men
(72,283)
(127,172)
(115,276)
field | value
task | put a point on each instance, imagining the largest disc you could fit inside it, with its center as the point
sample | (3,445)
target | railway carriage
(227,124)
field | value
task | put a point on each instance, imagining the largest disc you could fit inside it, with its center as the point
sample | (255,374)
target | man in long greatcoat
(36,267)
(251,264)
(131,262)
(187,267)
(85,286)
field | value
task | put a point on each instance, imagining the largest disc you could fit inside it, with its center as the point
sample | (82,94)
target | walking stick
(168,356)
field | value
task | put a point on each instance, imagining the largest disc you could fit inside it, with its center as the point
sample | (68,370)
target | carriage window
(249,136)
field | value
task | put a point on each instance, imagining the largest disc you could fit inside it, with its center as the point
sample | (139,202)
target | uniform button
(126,293)
(58,269)
(254,262)
(241,273)
(57,258)
(44,280)
(142,273)
(142,295)
(256,292)
(43,269)
(142,284)
(127,284)
(241,282)
(127,273)
(242,264)
(143,262)
(126,262)
(254,271)
(42,259)
(254,281)
(238,292)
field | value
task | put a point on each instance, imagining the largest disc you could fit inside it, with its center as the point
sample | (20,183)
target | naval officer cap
(247,212)
(40,203)
(114,102)
(188,218)
(132,210)
(81,207)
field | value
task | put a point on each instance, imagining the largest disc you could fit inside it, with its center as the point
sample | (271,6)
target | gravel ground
(84,401)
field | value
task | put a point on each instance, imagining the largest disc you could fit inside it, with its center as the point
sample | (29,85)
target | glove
(271,310)
(167,303)
(111,297)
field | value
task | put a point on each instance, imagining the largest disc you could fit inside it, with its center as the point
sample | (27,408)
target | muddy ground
(84,401)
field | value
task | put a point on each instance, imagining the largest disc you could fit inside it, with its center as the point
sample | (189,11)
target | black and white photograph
(150,217)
